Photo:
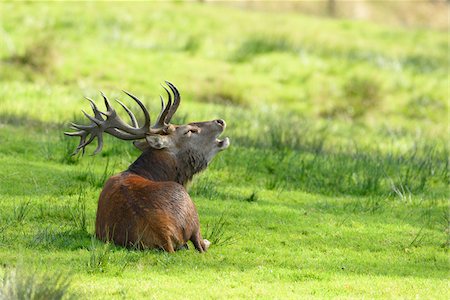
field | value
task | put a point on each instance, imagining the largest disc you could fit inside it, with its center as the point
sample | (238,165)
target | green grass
(335,184)
(22,283)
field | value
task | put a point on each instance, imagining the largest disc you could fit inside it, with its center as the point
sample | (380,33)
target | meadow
(335,184)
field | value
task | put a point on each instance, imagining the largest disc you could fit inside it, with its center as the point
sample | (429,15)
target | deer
(148,206)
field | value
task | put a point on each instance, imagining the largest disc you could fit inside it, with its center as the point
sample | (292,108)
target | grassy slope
(336,183)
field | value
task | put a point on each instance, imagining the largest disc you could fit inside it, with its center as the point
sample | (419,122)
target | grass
(22,283)
(216,232)
(335,185)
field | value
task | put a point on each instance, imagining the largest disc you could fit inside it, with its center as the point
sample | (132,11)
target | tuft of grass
(108,171)
(99,256)
(68,147)
(44,236)
(424,106)
(79,211)
(21,283)
(39,55)
(21,210)
(192,44)
(257,45)
(252,198)
(361,96)
(224,97)
(3,229)
(445,222)
(216,232)
(402,191)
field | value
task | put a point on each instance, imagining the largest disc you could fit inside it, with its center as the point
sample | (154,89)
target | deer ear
(141,145)
(157,141)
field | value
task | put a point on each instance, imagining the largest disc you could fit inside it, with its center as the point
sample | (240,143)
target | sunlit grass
(335,184)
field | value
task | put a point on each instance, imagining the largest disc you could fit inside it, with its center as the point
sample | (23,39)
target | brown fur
(136,212)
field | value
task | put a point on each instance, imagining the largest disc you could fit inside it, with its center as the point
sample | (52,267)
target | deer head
(196,141)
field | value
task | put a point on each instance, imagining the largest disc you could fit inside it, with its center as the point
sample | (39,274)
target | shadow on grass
(48,238)
(36,179)
(24,120)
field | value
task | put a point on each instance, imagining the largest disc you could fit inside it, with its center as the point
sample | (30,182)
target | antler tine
(82,145)
(94,120)
(97,113)
(82,134)
(162,102)
(146,114)
(99,144)
(77,133)
(160,123)
(176,102)
(109,109)
(132,117)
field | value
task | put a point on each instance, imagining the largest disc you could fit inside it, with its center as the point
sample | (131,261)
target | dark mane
(161,165)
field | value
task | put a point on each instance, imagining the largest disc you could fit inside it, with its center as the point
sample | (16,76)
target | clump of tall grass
(363,94)
(422,63)
(216,232)
(256,45)
(21,283)
(192,44)
(224,97)
(79,211)
(39,55)
(44,237)
(360,95)
(224,91)
(21,210)
(68,146)
(252,198)
(3,228)
(99,256)
(425,106)
(445,221)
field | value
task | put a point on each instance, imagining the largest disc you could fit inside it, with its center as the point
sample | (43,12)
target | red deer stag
(147,206)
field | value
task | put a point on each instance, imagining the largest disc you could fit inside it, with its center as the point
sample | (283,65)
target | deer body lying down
(147,206)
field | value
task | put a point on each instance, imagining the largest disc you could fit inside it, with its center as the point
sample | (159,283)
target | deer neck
(162,165)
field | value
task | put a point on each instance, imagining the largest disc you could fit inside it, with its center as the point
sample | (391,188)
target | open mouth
(223,144)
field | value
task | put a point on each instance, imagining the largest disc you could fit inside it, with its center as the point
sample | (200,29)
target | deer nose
(220,122)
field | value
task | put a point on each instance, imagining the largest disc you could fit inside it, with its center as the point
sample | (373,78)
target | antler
(111,123)
(166,113)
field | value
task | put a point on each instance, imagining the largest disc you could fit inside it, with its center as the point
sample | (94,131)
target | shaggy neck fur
(161,165)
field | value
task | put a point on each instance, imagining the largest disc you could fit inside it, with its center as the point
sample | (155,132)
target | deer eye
(191,131)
